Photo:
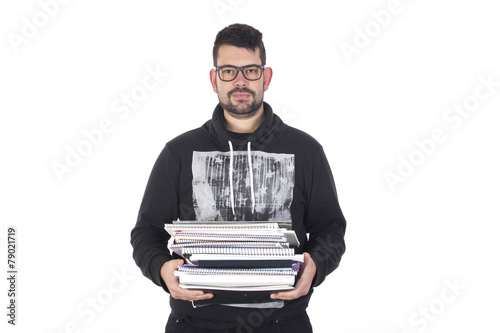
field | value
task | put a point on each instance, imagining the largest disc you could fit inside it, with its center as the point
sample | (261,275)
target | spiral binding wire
(209,236)
(250,251)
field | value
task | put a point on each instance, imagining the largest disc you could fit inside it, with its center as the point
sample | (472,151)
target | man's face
(241,98)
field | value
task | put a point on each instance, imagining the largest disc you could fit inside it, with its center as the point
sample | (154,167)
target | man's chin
(241,111)
(241,114)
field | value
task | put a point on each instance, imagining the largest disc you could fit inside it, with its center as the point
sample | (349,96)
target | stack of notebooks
(238,262)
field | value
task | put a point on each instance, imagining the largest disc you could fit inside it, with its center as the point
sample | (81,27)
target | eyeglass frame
(240,69)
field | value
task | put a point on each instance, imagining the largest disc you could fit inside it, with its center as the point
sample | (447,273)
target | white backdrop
(403,95)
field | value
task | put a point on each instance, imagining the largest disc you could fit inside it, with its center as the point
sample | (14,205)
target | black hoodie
(279,174)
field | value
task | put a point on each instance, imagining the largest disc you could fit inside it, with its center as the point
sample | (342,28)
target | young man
(244,164)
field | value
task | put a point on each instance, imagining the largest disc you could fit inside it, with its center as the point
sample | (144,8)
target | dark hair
(240,35)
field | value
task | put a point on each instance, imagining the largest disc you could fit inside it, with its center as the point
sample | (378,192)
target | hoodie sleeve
(324,220)
(159,206)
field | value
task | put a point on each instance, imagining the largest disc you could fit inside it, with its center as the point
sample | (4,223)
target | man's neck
(246,125)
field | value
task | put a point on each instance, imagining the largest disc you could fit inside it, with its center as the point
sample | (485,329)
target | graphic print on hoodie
(261,190)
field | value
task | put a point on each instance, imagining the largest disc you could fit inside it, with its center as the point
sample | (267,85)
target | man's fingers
(178,292)
(288,295)
(186,294)
(189,295)
(308,269)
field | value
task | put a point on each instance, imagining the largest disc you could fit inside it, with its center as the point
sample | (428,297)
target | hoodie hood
(268,132)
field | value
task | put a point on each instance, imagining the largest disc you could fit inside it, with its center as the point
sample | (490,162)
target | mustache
(240,90)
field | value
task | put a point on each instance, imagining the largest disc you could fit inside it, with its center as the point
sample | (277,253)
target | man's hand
(307,273)
(167,274)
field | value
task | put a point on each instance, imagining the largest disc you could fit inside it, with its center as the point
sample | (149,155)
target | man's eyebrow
(238,66)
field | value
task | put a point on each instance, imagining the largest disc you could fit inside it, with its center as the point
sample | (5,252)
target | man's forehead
(229,54)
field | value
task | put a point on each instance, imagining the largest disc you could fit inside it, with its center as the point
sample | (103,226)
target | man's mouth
(241,95)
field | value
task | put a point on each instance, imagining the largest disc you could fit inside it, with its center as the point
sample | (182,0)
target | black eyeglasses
(250,72)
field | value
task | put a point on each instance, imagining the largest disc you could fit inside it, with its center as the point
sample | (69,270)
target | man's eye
(228,71)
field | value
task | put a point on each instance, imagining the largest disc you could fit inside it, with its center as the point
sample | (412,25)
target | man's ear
(213,77)
(268,75)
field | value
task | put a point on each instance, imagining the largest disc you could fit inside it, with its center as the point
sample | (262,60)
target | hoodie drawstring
(231,175)
(250,170)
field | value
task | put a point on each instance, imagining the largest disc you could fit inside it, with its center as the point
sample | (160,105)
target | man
(244,164)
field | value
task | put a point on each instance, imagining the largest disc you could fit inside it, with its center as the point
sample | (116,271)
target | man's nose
(240,80)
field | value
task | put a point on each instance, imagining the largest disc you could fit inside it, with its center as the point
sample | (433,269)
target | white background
(405,245)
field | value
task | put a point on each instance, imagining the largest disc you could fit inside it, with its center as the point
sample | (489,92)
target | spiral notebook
(270,227)
(281,224)
(240,232)
(235,279)
(186,246)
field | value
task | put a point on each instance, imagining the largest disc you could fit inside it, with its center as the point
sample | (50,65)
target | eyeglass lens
(229,73)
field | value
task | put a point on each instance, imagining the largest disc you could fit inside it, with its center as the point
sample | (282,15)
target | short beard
(248,111)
